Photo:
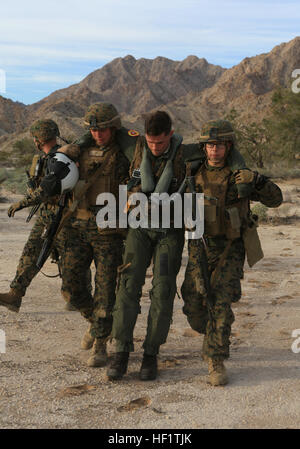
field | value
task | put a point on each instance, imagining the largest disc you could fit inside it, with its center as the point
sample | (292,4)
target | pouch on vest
(36,166)
(252,244)
(233,230)
(101,185)
(212,225)
(210,213)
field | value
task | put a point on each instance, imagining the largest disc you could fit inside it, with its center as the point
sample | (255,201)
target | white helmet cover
(65,171)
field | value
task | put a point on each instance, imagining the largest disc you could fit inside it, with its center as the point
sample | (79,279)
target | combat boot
(148,369)
(12,300)
(99,354)
(217,372)
(87,340)
(118,366)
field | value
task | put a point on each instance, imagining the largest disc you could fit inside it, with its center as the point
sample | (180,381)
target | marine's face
(158,144)
(101,136)
(39,145)
(216,153)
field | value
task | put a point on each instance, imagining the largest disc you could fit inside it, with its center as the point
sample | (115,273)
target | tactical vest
(105,162)
(178,167)
(219,219)
(39,169)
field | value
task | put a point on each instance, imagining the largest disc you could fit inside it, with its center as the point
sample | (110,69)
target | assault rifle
(52,231)
(189,182)
(32,184)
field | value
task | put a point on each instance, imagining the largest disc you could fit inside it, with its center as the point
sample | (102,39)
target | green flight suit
(164,246)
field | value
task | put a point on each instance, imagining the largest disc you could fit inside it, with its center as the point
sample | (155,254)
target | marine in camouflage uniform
(44,133)
(102,167)
(229,232)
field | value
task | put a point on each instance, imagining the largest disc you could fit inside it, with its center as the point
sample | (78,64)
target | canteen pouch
(234,225)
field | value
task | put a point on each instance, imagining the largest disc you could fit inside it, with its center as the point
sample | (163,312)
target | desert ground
(45,382)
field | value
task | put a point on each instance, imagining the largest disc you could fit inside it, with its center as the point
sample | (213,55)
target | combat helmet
(66,174)
(217,130)
(44,130)
(102,115)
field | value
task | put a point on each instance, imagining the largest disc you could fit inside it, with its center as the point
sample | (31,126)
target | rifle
(32,184)
(203,261)
(52,232)
(189,182)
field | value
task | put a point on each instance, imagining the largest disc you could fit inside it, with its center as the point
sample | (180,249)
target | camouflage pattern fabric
(83,244)
(44,130)
(86,243)
(216,130)
(227,290)
(102,115)
(27,269)
(269,194)
(166,250)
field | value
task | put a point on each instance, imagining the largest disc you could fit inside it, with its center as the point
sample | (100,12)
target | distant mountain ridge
(192,91)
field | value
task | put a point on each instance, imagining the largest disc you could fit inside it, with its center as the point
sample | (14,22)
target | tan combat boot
(12,300)
(99,354)
(87,340)
(217,372)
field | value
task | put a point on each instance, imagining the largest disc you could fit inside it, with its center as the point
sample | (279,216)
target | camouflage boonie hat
(44,130)
(102,115)
(216,130)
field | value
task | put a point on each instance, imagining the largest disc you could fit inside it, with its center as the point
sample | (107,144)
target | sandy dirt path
(45,382)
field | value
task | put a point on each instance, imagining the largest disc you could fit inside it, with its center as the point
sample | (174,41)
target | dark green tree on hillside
(284,123)
(275,138)
(22,152)
(253,139)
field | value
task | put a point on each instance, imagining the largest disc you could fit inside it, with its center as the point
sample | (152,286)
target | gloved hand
(245,176)
(14,207)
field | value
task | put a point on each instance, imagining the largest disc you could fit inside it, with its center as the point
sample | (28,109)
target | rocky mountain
(12,116)
(247,87)
(192,90)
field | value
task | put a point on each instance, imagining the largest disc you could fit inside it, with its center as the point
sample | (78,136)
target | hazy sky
(45,46)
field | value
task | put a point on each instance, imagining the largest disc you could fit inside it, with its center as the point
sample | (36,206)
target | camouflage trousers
(141,246)
(83,245)
(27,269)
(226,289)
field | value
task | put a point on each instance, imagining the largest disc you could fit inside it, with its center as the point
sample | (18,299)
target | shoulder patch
(133,133)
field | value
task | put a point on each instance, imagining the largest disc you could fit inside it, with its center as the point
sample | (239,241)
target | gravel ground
(46,384)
